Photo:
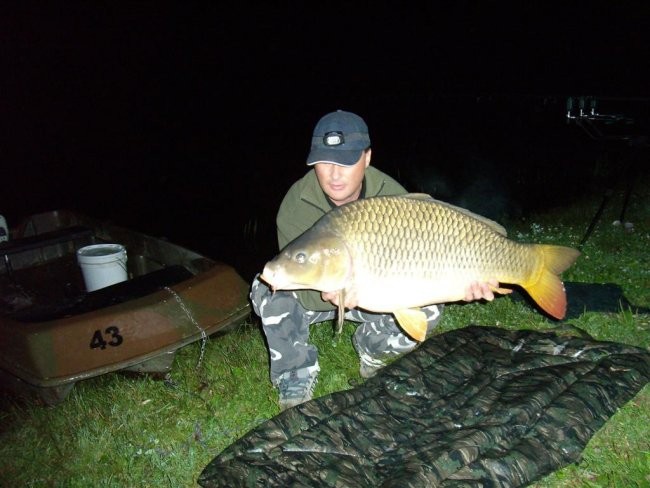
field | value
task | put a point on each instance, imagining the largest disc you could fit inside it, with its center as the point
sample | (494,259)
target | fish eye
(301,257)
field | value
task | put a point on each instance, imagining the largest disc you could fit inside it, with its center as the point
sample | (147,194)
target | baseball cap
(339,138)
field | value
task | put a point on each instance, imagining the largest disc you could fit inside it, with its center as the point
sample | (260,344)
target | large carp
(400,253)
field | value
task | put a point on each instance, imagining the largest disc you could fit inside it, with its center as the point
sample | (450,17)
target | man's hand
(484,290)
(333,297)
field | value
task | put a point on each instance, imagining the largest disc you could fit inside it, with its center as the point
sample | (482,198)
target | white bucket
(102,265)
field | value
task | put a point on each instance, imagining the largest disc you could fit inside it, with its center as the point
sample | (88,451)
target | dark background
(191,121)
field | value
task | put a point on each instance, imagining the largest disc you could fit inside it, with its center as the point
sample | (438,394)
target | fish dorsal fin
(419,196)
(490,223)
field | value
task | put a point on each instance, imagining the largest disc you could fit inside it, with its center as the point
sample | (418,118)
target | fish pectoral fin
(413,321)
(500,290)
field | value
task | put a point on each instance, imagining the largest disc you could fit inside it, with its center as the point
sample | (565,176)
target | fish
(400,253)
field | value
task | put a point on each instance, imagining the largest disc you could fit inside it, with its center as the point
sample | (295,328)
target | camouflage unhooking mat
(477,406)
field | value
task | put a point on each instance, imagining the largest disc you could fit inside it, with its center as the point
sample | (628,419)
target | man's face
(342,183)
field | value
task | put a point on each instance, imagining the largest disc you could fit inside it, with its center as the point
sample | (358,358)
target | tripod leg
(629,188)
(594,221)
(628,225)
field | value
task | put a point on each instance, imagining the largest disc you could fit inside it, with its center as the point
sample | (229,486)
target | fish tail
(545,285)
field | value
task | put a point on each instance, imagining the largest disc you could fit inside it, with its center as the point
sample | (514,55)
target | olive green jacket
(305,203)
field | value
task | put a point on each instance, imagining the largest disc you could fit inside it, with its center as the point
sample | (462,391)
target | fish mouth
(265,280)
(269,277)
(275,279)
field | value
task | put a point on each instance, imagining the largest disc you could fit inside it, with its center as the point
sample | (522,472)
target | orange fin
(413,321)
(501,290)
(545,287)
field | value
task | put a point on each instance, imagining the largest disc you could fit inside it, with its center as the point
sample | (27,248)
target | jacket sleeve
(289,229)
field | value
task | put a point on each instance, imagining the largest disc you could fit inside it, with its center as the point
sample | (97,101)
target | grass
(118,430)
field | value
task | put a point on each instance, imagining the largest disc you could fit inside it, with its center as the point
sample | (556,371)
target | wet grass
(120,430)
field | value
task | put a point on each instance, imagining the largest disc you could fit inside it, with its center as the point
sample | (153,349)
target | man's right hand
(333,297)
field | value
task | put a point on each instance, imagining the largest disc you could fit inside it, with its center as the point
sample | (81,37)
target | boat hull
(48,355)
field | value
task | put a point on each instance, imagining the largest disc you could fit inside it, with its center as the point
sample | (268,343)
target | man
(340,156)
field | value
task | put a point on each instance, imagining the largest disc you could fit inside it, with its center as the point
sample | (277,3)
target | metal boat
(56,332)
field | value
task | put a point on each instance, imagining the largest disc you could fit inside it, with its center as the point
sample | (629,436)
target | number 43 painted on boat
(112,333)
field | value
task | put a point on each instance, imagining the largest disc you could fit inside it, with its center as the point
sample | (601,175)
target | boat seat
(38,241)
(124,291)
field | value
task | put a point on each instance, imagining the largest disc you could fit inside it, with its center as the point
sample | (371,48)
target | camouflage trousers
(286,326)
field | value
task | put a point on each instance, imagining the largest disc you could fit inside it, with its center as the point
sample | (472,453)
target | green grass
(119,430)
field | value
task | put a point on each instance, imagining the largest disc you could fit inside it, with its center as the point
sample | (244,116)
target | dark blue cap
(339,138)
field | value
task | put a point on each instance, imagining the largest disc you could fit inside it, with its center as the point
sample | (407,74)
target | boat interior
(40,278)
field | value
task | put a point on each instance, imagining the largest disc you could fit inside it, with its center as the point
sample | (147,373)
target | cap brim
(334,156)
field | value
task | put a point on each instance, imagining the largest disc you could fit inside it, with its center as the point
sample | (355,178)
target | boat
(59,327)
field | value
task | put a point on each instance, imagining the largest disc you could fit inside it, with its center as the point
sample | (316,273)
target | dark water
(192,121)
(501,157)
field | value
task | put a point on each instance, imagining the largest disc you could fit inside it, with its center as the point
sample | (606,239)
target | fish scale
(399,253)
(415,244)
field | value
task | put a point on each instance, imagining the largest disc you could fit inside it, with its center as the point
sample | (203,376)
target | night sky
(192,122)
